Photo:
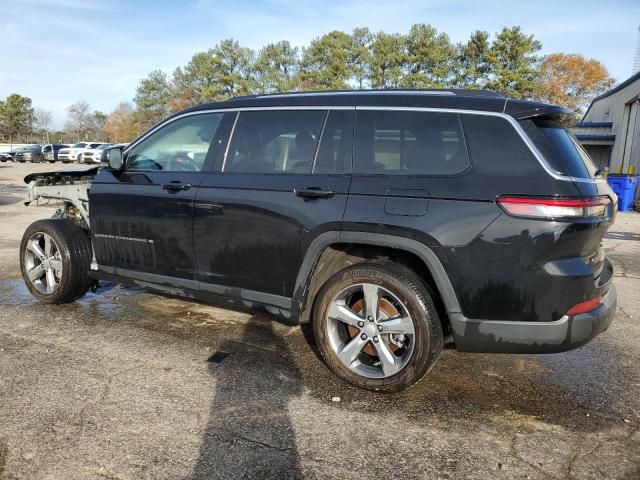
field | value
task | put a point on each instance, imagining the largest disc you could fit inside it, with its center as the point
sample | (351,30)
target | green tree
(152,99)
(217,74)
(473,62)
(276,67)
(325,62)
(16,117)
(388,58)
(360,56)
(513,63)
(430,58)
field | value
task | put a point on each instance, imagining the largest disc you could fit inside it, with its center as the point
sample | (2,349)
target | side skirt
(217,295)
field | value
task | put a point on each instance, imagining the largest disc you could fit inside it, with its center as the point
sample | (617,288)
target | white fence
(5,147)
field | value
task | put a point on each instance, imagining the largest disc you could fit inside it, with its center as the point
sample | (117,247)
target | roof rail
(439,91)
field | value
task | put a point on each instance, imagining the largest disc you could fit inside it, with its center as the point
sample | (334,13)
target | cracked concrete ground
(119,386)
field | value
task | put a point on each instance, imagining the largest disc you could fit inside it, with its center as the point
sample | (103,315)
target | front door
(275,190)
(141,217)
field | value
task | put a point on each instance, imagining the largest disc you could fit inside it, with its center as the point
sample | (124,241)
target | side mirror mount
(114,157)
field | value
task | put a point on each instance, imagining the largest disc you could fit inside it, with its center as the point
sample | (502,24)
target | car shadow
(249,431)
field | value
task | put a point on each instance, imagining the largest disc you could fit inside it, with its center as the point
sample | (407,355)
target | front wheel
(55,258)
(376,326)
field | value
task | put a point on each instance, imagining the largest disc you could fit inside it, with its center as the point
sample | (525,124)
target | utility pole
(636,60)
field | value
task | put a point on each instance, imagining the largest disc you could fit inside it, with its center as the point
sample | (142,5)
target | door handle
(175,186)
(314,192)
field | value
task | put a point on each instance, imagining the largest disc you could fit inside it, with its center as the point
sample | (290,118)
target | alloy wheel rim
(43,263)
(370,330)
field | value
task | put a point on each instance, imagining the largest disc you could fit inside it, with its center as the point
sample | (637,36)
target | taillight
(540,207)
(585,307)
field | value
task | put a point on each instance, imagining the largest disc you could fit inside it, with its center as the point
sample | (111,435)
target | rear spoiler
(521,110)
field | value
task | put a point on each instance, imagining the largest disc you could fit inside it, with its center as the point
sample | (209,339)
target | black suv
(394,221)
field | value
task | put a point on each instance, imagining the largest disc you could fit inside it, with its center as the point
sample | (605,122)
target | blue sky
(61,51)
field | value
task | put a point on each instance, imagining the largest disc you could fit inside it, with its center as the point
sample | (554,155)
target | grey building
(610,129)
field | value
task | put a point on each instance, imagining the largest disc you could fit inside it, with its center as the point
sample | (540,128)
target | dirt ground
(125,384)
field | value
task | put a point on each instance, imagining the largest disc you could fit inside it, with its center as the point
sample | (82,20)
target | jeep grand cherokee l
(393,221)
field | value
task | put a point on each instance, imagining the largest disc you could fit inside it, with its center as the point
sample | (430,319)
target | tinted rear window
(560,148)
(409,143)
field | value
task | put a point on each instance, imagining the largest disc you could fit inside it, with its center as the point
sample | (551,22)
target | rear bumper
(567,333)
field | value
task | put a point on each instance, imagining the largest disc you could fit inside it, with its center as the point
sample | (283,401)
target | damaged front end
(69,186)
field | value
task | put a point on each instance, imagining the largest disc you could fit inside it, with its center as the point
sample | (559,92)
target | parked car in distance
(76,152)
(393,221)
(70,154)
(51,151)
(94,155)
(10,155)
(32,153)
(90,147)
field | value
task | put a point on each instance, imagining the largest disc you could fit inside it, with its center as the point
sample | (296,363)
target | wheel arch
(330,252)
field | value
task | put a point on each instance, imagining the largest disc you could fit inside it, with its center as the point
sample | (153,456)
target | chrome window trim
(227,110)
(226,148)
(514,123)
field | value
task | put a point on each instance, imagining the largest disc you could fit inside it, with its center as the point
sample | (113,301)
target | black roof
(481,100)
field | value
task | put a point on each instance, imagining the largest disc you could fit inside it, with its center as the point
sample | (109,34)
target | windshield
(560,148)
(79,145)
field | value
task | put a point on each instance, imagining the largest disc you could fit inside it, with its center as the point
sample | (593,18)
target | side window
(336,145)
(409,143)
(179,146)
(274,141)
(496,147)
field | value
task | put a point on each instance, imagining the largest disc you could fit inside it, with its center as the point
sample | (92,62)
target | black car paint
(249,237)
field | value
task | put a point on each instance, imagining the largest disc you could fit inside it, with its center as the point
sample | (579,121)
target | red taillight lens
(539,207)
(585,307)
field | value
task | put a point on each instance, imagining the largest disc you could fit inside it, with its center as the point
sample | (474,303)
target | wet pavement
(126,384)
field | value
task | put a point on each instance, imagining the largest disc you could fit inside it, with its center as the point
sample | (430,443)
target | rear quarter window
(560,148)
(497,148)
(409,143)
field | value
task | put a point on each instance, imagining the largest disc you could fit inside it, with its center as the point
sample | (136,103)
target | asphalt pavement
(125,384)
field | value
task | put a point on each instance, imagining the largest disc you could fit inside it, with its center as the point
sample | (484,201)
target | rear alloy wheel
(376,326)
(55,258)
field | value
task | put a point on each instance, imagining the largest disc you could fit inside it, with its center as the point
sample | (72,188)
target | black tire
(75,252)
(415,297)
(37,158)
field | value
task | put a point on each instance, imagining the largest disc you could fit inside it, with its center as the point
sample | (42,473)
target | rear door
(275,189)
(142,216)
